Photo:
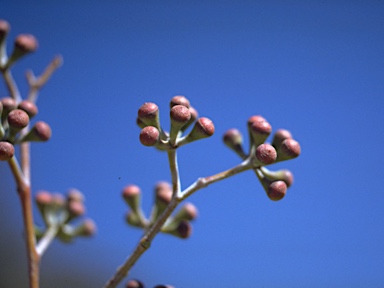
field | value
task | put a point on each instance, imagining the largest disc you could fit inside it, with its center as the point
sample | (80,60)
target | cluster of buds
(182,115)
(15,115)
(178,224)
(59,214)
(138,284)
(23,45)
(283,147)
(14,126)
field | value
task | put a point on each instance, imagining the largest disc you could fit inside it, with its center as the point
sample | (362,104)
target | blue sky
(313,67)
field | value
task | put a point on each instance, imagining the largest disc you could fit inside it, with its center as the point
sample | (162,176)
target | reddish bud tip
(43,198)
(148,110)
(74,195)
(149,136)
(40,132)
(205,126)
(134,284)
(76,208)
(131,191)
(279,136)
(4,29)
(163,192)
(266,154)
(18,119)
(255,118)
(26,43)
(277,190)
(6,151)
(88,227)
(261,128)
(233,138)
(180,100)
(190,211)
(29,107)
(9,104)
(180,114)
(290,148)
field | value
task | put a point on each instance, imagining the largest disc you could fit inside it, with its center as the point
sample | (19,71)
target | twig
(35,84)
(11,85)
(24,191)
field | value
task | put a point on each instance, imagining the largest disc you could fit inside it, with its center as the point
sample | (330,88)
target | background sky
(313,67)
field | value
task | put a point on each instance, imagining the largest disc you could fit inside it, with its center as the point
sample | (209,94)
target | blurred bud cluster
(283,147)
(178,225)
(60,214)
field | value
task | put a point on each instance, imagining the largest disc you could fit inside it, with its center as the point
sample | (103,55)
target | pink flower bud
(26,43)
(28,107)
(260,131)
(289,149)
(180,116)
(180,100)
(149,114)
(280,136)
(234,140)
(149,136)
(277,190)
(266,154)
(18,119)
(131,195)
(40,132)
(203,128)
(4,29)
(6,151)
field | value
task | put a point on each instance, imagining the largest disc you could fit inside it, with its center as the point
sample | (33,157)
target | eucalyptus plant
(170,213)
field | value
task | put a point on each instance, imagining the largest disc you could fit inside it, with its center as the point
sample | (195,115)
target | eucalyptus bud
(203,128)
(6,151)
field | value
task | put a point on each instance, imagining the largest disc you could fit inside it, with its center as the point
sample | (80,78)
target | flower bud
(279,137)
(17,120)
(187,212)
(283,175)
(149,114)
(260,131)
(4,30)
(132,194)
(75,209)
(74,195)
(134,284)
(163,196)
(86,229)
(28,107)
(193,118)
(180,116)
(149,136)
(24,44)
(8,105)
(266,154)
(289,149)
(180,100)
(6,151)
(277,190)
(183,230)
(234,140)
(40,132)
(203,128)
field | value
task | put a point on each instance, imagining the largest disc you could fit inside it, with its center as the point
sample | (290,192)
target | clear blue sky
(313,67)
